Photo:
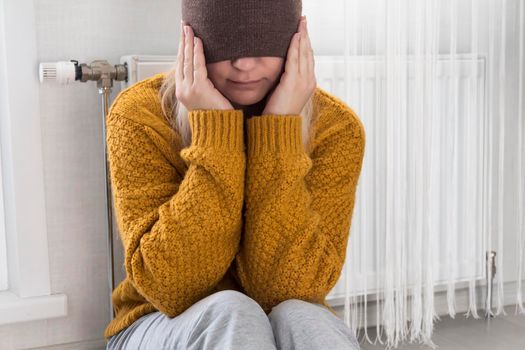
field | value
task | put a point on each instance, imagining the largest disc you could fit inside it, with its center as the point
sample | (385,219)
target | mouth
(246,83)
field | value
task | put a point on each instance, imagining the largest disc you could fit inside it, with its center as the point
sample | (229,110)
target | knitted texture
(264,218)
(259,27)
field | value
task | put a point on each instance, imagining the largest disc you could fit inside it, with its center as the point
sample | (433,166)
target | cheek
(215,78)
(217,75)
(277,77)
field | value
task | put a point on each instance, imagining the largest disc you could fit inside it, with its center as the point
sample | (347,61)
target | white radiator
(141,67)
(366,90)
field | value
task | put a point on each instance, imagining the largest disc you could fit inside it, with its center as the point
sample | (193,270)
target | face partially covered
(244,40)
(227,77)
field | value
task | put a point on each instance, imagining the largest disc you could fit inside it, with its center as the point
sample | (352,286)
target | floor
(502,332)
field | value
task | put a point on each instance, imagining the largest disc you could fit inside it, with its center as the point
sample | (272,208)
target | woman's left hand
(298,81)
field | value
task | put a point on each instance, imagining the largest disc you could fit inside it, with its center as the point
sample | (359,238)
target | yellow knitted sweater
(244,207)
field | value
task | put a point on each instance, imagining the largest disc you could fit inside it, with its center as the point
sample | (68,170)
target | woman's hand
(193,88)
(298,81)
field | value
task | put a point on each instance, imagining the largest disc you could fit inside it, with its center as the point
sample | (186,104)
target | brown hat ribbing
(231,29)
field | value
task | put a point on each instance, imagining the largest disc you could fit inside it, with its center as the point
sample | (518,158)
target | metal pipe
(103,73)
(106,92)
(490,273)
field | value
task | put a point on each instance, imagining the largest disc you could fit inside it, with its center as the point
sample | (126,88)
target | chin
(246,98)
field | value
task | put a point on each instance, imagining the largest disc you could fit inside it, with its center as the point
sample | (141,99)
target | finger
(311,63)
(303,58)
(188,56)
(199,62)
(179,74)
(292,61)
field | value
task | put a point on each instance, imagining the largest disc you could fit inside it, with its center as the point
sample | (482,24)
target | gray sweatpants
(230,320)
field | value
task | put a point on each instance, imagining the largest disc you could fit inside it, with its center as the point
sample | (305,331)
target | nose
(244,63)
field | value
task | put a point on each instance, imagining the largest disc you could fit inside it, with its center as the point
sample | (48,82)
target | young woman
(233,200)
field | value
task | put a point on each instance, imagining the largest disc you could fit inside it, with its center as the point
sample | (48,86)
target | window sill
(14,309)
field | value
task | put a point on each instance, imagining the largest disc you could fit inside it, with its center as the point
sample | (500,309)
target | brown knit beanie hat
(231,29)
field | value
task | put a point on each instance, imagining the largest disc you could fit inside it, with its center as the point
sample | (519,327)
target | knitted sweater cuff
(275,134)
(216,128)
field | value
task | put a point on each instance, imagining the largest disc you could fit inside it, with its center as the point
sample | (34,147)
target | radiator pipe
(490,273)
(103,73)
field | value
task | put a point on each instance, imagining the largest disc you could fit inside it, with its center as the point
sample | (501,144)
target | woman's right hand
(193,87)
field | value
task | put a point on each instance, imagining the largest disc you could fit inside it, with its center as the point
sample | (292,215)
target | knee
(231,301)
(292,308)
(230,319)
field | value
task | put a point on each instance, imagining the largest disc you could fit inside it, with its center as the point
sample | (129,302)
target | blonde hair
(176,113)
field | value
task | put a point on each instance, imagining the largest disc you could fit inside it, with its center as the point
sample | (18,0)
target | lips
(246,82)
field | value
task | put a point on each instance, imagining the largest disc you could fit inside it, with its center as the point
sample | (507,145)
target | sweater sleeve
(298,208)
(180,232)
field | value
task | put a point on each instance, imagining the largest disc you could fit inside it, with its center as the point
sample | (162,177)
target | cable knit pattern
(264,218)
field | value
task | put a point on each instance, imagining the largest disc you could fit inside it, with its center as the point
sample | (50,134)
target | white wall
(73,148)
(73,152)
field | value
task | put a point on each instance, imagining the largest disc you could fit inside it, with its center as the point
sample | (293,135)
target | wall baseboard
(97,344)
